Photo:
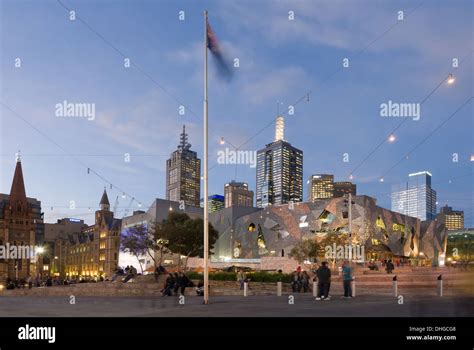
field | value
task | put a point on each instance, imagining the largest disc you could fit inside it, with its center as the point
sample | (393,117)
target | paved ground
(260,306)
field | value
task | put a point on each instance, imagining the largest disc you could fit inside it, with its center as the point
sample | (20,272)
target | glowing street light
(451,79)
(40,250)
(351,177)
(222,141)
(381,179)
(391,138)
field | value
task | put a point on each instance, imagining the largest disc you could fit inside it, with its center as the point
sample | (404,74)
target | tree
(305,249)
(331,238)
(139,241)
(184,235)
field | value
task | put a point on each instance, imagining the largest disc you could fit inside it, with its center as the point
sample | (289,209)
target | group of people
(300,281)
(323,277)
(128,273)
(47,281)
(388,264)
(175,283)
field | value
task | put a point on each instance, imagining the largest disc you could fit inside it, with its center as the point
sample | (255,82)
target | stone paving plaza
(239,306)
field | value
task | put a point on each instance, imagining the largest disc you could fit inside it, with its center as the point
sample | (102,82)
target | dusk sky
(280,59)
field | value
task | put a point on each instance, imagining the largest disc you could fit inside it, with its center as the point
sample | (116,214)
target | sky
(46,59)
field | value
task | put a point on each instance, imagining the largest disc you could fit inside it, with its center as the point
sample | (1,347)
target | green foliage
(257,276)
(305,249)
(183,235)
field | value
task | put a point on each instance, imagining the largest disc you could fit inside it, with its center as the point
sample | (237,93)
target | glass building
(183,174)
(279,171)
(416,198)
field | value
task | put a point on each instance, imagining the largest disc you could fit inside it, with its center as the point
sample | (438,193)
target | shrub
(257,276)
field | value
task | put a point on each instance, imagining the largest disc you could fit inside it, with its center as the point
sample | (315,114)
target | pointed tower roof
(17,191)
(104,199)
(184,145)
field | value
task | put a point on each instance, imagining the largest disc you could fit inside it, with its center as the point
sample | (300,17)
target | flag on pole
(223,66)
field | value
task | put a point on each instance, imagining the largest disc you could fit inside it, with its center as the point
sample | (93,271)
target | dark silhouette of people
(324,281)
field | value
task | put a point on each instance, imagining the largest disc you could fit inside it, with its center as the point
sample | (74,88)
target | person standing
(347,279)
(324,281)
(389,266)
(241,279)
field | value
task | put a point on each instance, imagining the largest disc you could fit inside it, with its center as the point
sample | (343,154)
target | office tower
(279,171)
(320,186)
(183,174)
(216,203)
(453,219)
(238,193)
(342,188)
(416,198)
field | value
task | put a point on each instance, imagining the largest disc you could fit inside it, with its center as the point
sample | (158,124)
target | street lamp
(451,79)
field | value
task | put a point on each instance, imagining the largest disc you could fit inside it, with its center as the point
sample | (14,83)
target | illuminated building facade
(183,174)
(320,186)
(93,251)
(21,224)
(238,193)
(216,203)
(416,198)
(453,219)
(273,231)
(279,171)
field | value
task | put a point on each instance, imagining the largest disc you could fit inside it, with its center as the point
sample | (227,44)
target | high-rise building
(216,203)
(238,193)
(416,198)
(21,224)
(279,171)
(453,219)
(342,188)
(183,174)
(320,186)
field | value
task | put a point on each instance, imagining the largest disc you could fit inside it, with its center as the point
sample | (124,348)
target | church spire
(104,201)
(183,139)
(17,192)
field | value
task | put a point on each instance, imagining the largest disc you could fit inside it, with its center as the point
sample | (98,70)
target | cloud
(274,85)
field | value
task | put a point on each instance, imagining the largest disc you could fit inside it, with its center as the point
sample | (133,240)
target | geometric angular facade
(273,231)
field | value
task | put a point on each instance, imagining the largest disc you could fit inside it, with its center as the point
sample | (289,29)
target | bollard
(395,286)
(246,285)
(315,289)
(353,282)
(440,285)
(279,288)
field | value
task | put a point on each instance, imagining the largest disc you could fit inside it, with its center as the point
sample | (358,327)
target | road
(237,306)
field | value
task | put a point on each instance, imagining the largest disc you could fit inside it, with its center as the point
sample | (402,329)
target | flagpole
(206,204)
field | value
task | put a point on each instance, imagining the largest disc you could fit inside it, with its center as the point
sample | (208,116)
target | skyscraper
(453,219)
(183,174)
(238,193)
(416,198)
(279,171)
(320,186)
